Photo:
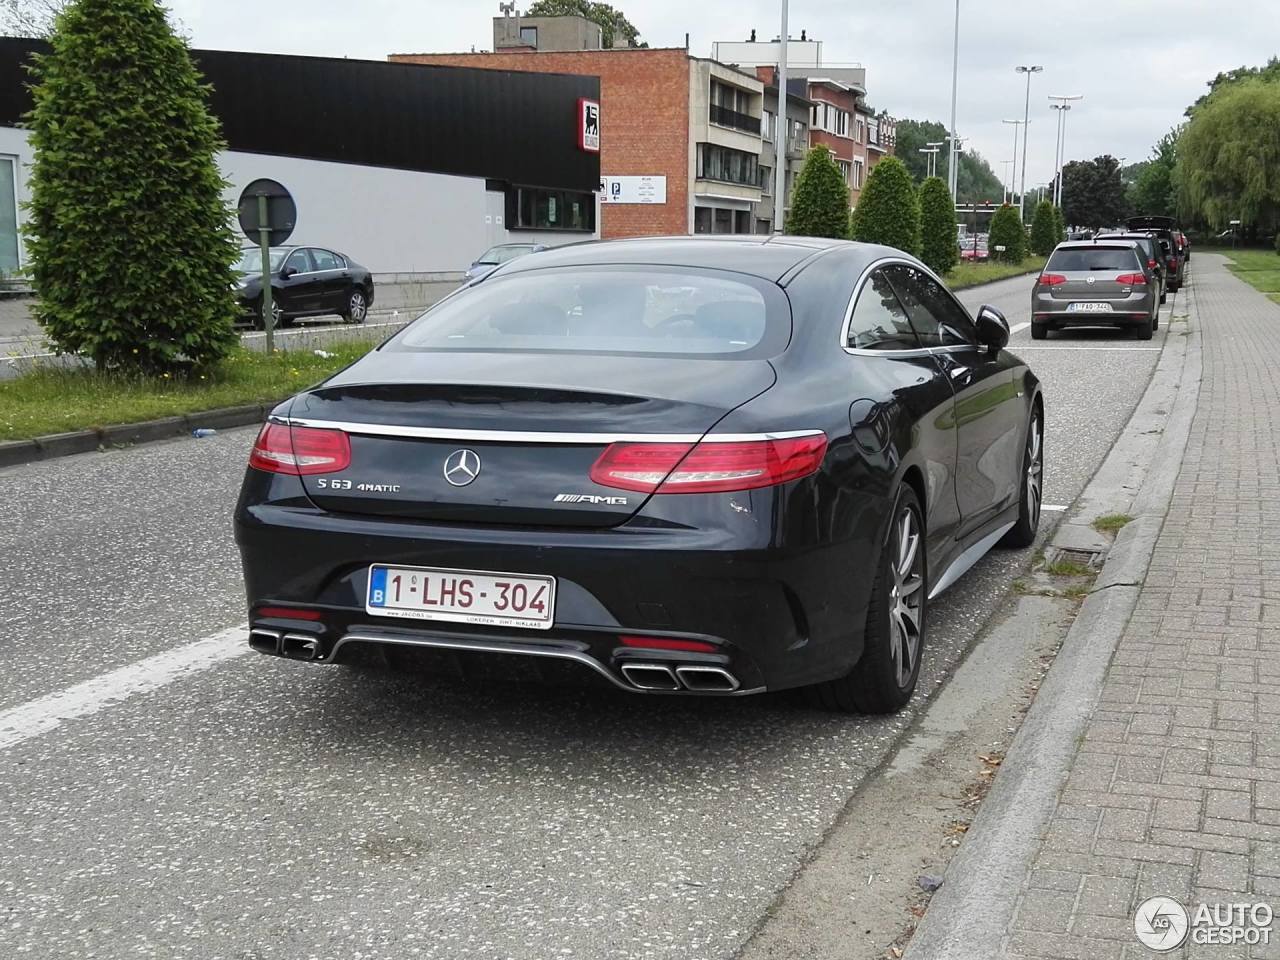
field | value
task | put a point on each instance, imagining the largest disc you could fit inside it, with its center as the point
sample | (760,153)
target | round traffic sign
(282,212)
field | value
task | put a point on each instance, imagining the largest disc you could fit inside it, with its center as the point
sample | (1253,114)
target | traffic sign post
(267,216)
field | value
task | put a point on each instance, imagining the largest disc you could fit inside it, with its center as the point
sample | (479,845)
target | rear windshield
(655,311)
(1084,259)
(1145,242)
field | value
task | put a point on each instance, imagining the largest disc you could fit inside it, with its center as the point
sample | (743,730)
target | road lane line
(35,717)
(1053,507)
(1019,327)
(1027,346)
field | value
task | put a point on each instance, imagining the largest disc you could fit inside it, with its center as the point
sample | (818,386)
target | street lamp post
(931,158)
(955,77)
(1026,121)
(780,136)
(1007,177)
(937,146)
(1014,172)
(1062,105)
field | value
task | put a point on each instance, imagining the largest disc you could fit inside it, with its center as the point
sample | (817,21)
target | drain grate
(1083,558)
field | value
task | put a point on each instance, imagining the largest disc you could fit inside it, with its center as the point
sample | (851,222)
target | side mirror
(288,272)
(993,328)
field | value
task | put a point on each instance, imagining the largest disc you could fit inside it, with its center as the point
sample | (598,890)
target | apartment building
(680,136)
(787,138)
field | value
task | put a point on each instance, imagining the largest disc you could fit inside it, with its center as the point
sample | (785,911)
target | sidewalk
(1174,790)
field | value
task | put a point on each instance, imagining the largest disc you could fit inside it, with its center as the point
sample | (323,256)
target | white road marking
(1052,507)
(85,699)
(1018,327)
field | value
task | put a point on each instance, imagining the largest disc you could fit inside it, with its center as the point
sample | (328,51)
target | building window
(529,35)
(721,220)
(846,170)
(731,107)
(8,216)
(727,165)
(766,126)
(536,209)
(830,118)
(859,174)
(701,219)
(766,180)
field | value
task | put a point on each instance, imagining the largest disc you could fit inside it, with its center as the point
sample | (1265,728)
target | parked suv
(1166,228)
(1095,283)
(1157,253)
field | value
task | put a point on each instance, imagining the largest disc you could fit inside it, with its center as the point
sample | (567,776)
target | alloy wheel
(906,596)
(1035,470)
(358,307)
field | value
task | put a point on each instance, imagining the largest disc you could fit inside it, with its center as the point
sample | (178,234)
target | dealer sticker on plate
(462,596)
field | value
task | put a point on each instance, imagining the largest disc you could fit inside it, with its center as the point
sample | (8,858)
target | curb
(970,915)
(17,452)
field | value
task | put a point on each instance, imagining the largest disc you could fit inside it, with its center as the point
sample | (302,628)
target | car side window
(326,260)
(939,321)
(299,261)
(878,321)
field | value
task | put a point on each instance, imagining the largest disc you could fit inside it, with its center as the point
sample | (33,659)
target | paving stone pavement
(1175,789)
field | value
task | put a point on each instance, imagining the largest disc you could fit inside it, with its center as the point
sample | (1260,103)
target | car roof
(1090,244)
(767,257)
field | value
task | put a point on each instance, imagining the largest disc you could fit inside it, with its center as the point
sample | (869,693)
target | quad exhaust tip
(265,641)
(300,646)
(650,676)
(707,679)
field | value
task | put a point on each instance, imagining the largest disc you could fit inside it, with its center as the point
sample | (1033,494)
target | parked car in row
(305,282)
(1096,283)
(613,456)
(496,256)
(1157,253)
(1166,228)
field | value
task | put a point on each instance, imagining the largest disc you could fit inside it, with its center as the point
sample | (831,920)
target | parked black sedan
(689,466)
(305,282)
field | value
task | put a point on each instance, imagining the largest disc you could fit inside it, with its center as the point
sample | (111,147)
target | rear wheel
(1143,330)
(357,307)
(883,680)
(1023,533)
(1039,331)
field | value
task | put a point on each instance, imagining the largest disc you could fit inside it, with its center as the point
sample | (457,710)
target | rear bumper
(775,616)
(1114,319)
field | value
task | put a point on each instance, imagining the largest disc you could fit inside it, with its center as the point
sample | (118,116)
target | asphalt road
(244,807)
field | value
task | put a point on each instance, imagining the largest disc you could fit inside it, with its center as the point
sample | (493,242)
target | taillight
(300,450)
(288,613)
(1051,279)
(668,643)
(1151,264)
(1173,263)
(1132,279)
(707,467)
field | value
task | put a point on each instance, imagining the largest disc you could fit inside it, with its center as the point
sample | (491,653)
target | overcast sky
(1137,62)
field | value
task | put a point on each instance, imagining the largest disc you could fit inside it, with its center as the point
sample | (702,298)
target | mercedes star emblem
(461,467)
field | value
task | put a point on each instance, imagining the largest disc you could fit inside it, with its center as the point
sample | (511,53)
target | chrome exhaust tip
(300,646)
(707,679)
(650,676)
(265,641)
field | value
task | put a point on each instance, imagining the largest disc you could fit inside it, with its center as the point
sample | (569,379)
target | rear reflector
(300,450)
(707,467)
(288,613)
(1051,279)
(1173,263)
(1132,279)
(669,643)
(1151,263)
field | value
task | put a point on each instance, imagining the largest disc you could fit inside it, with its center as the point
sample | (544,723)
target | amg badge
(588,498)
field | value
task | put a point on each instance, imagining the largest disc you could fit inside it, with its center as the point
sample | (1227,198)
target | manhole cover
(1083,558)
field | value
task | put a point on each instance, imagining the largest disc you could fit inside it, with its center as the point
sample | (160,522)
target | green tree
(937,226)
(1154,192)
(1229,156)
(129,237)
(976,182)
(1007,231)
(1044,230)
(1093,194)
(1059,225)
(613,23)
(820,198)
(889,210)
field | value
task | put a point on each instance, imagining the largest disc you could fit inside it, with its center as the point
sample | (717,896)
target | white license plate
(1094,307)
(462,596)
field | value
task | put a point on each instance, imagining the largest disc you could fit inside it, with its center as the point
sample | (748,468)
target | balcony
(724,117)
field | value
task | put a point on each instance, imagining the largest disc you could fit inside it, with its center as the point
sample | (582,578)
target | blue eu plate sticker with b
(378,587)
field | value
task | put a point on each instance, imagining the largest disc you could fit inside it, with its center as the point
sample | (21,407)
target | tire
(1143,330)
(1039,331)
(357,308)
(1164,296)
(281,319)
(1023,532)
(884,678)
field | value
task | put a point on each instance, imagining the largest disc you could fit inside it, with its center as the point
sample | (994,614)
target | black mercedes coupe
(689,466)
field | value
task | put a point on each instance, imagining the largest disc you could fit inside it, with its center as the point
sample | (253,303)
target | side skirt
(961,564)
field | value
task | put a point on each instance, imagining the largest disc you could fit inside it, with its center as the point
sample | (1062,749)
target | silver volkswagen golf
(1096,283)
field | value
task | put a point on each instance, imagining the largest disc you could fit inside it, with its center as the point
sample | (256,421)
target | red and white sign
(589,125)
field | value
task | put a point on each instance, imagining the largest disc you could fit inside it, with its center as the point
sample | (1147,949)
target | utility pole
(1026,131)
(952,165)
(1062,105)
(780,136)
(1014,172)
